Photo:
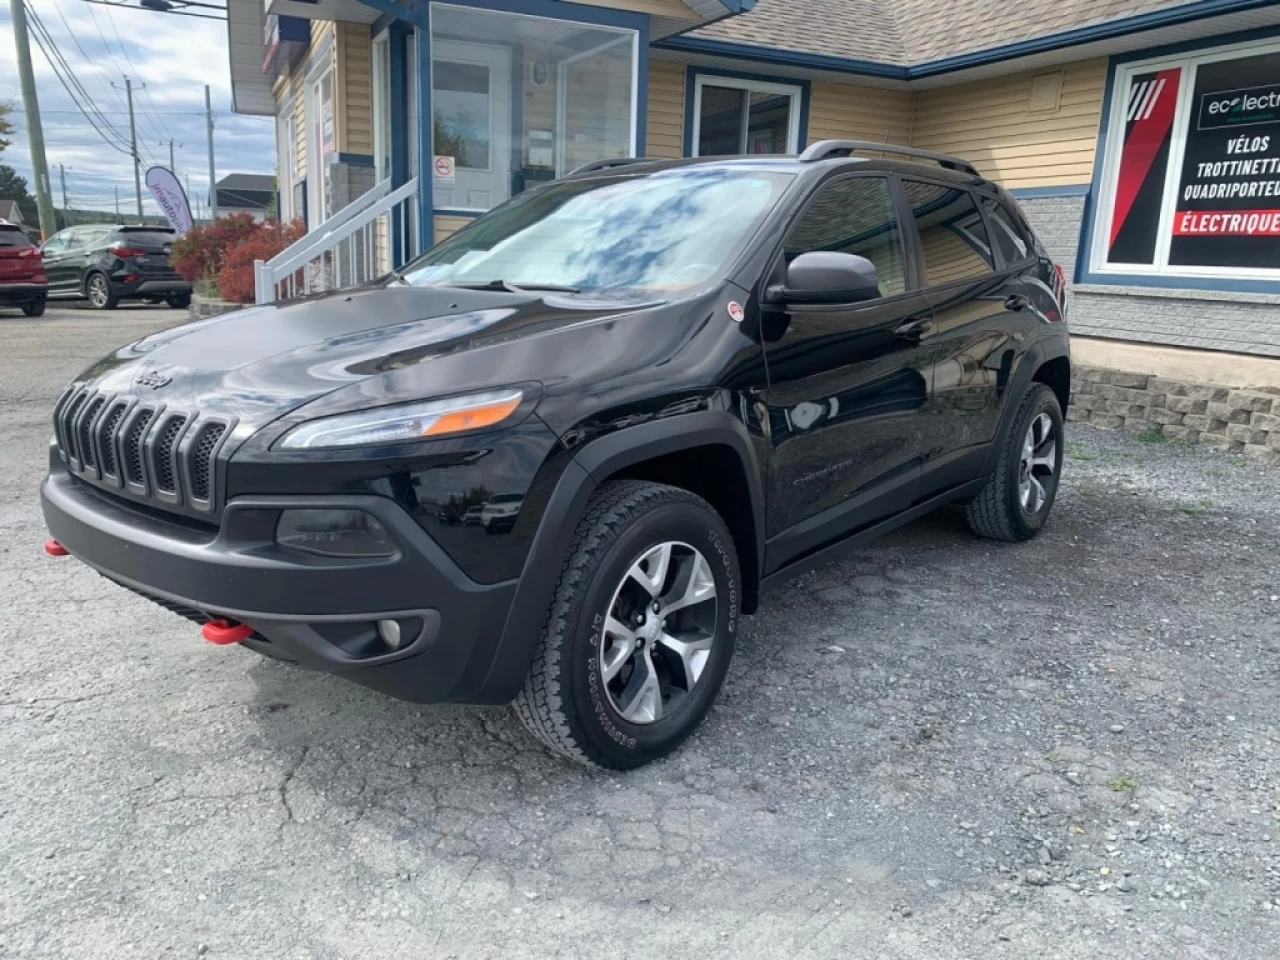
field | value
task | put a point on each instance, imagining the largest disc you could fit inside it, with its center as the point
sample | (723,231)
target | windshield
(148,237)
(13,237)
(617,236)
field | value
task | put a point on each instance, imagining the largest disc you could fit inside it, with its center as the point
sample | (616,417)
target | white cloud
(174,57)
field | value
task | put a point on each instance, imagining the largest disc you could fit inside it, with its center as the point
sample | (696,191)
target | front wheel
(99,291)
(1015,503)
(641,628)
(34,308)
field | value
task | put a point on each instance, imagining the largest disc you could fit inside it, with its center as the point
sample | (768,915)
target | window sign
(1191,185)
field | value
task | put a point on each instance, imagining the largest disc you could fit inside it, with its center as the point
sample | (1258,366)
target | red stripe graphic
(1147,134)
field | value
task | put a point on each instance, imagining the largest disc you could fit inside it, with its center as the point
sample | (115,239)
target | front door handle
(1017,301)
(913,328)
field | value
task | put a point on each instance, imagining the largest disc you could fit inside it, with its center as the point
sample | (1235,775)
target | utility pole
(66,207)
(133,145)
(35,133)
(208,124)
(173,167)
(117,189)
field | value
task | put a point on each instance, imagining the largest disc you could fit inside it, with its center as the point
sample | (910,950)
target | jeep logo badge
(153,379)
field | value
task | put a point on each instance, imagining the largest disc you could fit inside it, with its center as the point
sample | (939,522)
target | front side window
(623,236)
(856,216)
(519,100)
(953,239)
(1191,182)
(733,116)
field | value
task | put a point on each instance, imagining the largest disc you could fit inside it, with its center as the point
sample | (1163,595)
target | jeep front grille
(147,450)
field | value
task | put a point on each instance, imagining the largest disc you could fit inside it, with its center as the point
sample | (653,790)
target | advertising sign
(1228,208)
(171,198)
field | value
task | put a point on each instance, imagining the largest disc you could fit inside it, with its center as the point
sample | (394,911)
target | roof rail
(608,164)
(825,149)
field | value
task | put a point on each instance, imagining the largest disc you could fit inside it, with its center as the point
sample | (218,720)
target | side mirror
(826,277)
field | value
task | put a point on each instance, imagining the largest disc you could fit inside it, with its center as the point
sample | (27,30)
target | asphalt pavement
(940,748)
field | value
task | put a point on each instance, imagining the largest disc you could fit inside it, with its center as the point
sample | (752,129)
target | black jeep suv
(555,459)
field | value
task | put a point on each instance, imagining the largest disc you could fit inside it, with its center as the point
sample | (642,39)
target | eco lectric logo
(1240,108)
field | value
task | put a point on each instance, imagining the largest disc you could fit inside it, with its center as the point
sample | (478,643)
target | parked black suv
(107,263)
(556,458)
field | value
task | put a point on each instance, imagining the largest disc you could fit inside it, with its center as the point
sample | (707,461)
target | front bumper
(318,612)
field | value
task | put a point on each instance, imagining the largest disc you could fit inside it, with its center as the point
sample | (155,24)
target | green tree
(6,125)
(14,187)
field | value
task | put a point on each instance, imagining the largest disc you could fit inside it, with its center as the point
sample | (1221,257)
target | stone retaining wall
(1241,421)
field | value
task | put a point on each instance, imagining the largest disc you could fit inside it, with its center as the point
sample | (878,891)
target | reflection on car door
(847,385)
(977,330)
(55,262)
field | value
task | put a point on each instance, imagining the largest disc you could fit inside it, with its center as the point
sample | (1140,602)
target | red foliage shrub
(235,279)
(200,251)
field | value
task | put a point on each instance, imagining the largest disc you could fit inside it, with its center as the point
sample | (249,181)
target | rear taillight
(30,252)
(124,252)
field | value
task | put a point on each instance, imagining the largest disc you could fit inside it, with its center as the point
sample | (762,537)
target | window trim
(697,78)
(1094,264)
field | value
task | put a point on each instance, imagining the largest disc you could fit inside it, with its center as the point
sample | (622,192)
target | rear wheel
(98,289)
(1015,503)
(34,308)
(641,628)
(179,301)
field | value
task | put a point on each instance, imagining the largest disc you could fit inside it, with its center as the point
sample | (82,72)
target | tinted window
(856,216)
(57,243)
(1008,237)
(13,237)
(953,239)
(144,237)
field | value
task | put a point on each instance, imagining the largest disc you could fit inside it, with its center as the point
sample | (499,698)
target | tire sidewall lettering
(598,705)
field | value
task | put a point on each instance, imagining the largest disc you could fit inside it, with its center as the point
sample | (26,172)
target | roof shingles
(913,31)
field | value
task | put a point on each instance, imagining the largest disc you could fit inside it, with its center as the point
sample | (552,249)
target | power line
(164,132)
(54,57)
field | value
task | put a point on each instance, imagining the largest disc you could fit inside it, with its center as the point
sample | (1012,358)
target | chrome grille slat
(146,450)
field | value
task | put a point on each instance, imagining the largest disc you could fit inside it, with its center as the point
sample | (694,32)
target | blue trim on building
(1187,13)
(450,212)
(1189,46)
(1166,282)
(641,98)
(426,229)
(690,87)
(1046,193)
(558,10)
(392,10)
(354,159)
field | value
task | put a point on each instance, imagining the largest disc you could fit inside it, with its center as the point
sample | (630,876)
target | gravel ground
(940,748)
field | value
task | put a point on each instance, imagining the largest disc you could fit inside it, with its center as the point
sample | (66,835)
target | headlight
(334,533)
(407,421)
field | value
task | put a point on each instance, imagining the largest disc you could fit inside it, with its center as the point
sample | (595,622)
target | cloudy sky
(174,57)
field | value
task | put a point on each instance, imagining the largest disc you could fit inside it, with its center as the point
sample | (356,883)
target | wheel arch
(670,451)
(1055,374)
(88,274)
(1047,361)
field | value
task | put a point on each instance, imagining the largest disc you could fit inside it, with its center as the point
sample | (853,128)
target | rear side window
(953,239)
(13,237)
(855,216)
(1008,238)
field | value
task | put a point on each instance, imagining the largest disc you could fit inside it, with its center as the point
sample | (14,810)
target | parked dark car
(649,390)
(22,277)
(107,263)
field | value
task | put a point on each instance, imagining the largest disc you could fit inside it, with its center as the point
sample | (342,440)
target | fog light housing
(389,631)
(348,534)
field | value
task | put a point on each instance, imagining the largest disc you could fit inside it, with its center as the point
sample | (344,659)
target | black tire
(566,701)
(34,308)
(179,301)
(998,512)
(97,289)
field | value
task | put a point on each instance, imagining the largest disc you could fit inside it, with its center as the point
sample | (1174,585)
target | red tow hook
(54,549)
(225,632)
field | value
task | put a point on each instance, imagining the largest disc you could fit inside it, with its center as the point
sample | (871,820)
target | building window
(518,100)
(1191,181)
(733,116)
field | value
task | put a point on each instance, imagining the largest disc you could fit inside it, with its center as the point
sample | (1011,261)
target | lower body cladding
(410,624)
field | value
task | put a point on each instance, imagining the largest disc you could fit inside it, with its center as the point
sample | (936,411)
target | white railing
(365,239)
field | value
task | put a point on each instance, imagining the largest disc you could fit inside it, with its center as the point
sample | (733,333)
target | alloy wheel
(1038,463)
(658,632)
(98,291)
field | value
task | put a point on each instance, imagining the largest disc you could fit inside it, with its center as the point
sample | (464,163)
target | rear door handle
(913,328)
(1017,301)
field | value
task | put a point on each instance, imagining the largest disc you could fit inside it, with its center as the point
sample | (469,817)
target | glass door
(471,123)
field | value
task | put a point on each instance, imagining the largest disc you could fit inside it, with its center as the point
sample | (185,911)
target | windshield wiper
(511,287)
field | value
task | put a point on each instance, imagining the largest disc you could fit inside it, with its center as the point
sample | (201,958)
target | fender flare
(1036,356)
(592,465)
